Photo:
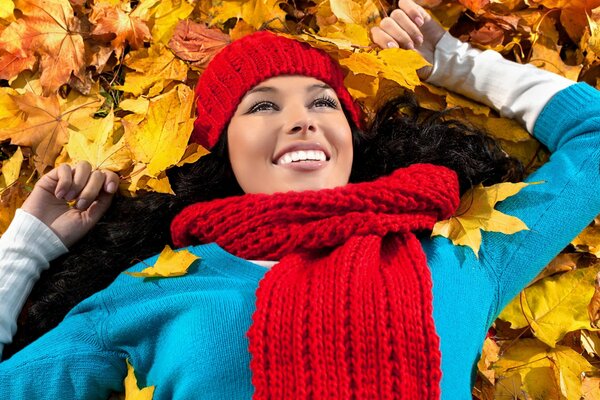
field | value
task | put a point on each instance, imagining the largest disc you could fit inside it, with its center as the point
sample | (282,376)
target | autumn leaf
(54,33)
(554,306)
(96,145)
(160,140)
(132,391)
(594,23)
(196,42)
(153,69)
(165,16)
(476,213)
(11,199)
(352,12)
(47,123)
(169,264)
(254,12)
(11,169)
(119,26)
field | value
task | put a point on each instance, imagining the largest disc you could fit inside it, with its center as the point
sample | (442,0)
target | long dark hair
(136,228)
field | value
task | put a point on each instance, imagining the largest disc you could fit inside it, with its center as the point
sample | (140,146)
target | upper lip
(301,146)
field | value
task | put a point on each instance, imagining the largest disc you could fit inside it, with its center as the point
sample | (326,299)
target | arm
(40,228)
(563,116)
(70,362)
(26,249)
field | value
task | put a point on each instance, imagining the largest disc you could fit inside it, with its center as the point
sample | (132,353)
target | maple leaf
(11,199)
(53,32)
(169,264)
(6,9)
(154,68)
(197,43)
(351,12)
(14,57)
(254,12)
(554,306)
(132,390)
(47,122)
(160,140)
(11,169)
(476,212)
(120,26)
(95,144)
(164,15)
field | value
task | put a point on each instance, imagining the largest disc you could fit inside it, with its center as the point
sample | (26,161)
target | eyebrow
(270,89)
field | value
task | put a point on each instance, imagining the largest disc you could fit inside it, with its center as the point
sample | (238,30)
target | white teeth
(301,155)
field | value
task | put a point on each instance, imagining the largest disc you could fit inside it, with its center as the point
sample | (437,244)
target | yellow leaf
(489,355)
(48,123)
(11,169)
(154,68)
(166,15)
(554,306)
(169,264)
(590,342)
(132,391)
(589,240)
(352,12)
(11,199)
(569,367)
(363,63)
(356,35)
(402,66)
(254,12)
(6,9)
(476,212)
(96,145)
(161,139)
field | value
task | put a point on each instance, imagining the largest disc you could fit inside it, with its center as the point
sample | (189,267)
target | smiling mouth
(302,157)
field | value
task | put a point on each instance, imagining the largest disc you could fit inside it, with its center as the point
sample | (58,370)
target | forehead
(287,83)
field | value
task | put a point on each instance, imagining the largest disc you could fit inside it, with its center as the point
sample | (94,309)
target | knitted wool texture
(347,312)
(249,61)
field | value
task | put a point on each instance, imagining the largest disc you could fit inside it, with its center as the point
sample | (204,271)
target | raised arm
(43,228)
(561,114)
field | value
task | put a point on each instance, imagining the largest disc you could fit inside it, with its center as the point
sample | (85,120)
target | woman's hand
(409,27)
(92,192)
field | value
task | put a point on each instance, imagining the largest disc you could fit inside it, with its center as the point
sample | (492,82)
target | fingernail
(111,188)
(419,40)
(410,46)
(70,196)
(392,44)
(81,204)
(60,195)
(419,21)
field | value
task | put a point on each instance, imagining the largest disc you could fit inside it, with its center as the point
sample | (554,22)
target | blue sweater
(187,335)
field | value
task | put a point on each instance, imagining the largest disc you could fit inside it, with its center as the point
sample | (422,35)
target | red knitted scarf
(347,312)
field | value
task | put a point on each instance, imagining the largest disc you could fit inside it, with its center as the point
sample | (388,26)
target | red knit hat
(249,61)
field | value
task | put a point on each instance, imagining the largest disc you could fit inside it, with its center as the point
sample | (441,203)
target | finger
(382,39)
(111,182)
(415,12)
(91,190)
(99,207)
(408,26)
(81,174)
(391,27)
(64,177)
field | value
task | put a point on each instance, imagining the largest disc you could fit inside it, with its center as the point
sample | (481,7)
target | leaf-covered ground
(111,82)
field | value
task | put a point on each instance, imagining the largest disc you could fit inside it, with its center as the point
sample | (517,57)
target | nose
(300,121)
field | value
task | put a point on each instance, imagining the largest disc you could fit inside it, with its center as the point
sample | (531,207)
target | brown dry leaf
(489,355)
(588,240)
(47,123)
(14,56)
(554,306)
(475,5)
(11,199)
(153,69)
(594,305)
(594,24)
(119,26)
(197,43)
(476,213)
(590,342)
(160,140)
(168,265)
(562,263)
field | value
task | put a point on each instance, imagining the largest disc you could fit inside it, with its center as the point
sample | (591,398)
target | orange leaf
(119,26)
(196,42)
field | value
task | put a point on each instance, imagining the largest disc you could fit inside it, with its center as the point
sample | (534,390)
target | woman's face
(290,133)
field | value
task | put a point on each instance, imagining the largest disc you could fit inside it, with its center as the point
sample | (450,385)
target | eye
(262,106)
(325,101)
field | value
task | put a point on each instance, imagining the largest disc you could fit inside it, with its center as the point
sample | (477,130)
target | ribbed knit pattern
(347,312)
(249,61)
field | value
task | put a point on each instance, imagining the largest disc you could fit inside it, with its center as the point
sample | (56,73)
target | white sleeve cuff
(26,249)
(517,91)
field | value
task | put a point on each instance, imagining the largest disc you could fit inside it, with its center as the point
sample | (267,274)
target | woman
(353,304)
